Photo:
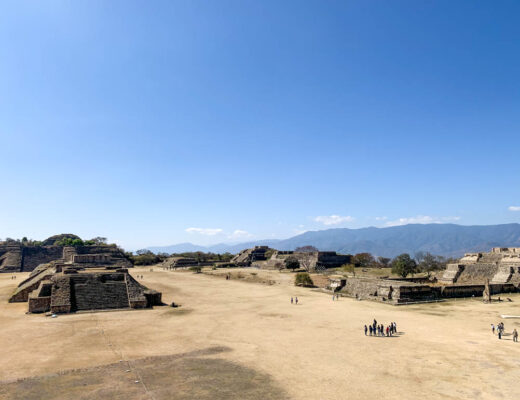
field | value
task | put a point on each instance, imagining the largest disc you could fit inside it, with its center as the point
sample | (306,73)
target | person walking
(366,329)
(292,300)
(493,329)
(296,300)
(515,335)
(500,334)
(370,329)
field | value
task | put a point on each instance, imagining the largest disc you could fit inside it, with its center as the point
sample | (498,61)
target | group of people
(294,300)
(500,331)
(13,276)
(376,329)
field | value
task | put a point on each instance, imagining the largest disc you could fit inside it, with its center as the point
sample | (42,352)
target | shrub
(303,279)
(197,269)
(348,268)
(292,263)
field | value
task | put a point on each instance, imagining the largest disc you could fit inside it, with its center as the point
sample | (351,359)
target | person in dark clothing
(366,329)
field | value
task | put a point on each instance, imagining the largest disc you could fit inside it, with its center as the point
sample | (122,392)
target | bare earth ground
(239,340)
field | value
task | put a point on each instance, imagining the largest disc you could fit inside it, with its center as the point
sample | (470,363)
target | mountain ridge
(450,240)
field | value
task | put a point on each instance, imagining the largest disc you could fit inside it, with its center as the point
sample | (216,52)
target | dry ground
(239,340)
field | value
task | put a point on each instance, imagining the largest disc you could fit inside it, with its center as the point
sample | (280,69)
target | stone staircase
(503,275)
(452,273)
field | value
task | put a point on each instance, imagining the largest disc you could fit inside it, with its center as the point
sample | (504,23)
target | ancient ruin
(501,266)
(180,263)
(66,288)
(246,257)
(475,275)
(20,257)
(266,258)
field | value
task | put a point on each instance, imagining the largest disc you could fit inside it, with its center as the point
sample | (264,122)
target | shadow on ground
(186,376)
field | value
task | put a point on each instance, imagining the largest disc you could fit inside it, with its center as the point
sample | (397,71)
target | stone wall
(458,291)
(61,301)
(477,273)
(17,258)
(392,291)
(34,256)
(39,304)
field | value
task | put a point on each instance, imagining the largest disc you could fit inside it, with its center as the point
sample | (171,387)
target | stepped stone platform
(501,265)
(384,290)
(64,289)
(266,258)
(246,257)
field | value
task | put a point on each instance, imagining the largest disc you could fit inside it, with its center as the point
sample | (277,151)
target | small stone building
(392,291)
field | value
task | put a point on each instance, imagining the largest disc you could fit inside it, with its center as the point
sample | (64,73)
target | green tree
(403,265)
(196,269)
(363,260)
(303,279)
(292,263)
(430,263)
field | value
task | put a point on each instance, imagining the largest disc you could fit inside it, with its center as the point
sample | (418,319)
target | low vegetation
(402,265)
(303,279)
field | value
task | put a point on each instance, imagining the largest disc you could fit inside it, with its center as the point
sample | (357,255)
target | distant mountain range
(442,239)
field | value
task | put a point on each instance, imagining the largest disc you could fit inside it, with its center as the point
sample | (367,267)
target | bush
(348,268)
(292,263)
(196,269)
(303,279)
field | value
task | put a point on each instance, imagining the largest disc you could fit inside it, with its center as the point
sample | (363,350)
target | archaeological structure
(59,287)
(498,270)
(266,258)
(18,257)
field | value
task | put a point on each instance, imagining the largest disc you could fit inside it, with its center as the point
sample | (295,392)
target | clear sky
(153,123)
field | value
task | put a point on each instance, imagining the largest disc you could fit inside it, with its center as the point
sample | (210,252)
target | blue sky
(161,122)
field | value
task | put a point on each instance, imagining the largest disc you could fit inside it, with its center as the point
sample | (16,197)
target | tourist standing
(292,300)
(493,328)
(296,300)
(370,328)
(366,329)
(515,335)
